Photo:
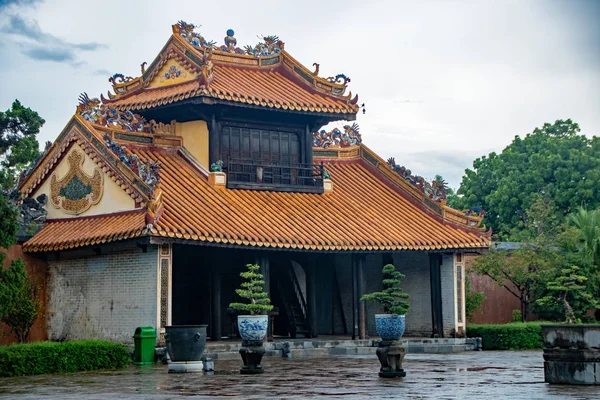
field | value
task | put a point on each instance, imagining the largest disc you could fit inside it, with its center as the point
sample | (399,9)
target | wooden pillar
(311,294)
(265,270)
(308,146)
(214,138)
(362,306)
(216,302)
(355,305)
(435,260)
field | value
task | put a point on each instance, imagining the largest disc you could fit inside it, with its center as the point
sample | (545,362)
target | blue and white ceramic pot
(390,326)
(253,327)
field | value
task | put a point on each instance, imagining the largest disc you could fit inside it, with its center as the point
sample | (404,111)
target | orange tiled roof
(274,81)
(83,231)
(266,87)
(362,213)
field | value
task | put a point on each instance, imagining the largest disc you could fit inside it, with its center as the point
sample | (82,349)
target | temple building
(159,194)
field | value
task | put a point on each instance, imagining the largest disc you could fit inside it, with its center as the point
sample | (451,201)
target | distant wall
(36,269)
(102,296)
(499,302)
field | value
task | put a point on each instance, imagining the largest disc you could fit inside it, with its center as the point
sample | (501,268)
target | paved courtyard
(470,375)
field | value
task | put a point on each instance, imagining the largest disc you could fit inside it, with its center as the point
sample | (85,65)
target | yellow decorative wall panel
(172,73)
(112,198)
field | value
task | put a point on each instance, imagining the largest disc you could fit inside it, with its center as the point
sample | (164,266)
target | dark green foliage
(515,336)
(18,145)
(554,161)
(473,300)
(391,297)
(252,290)
(51,357)
(517,316)
(570,281)
(8,223)
(20,305)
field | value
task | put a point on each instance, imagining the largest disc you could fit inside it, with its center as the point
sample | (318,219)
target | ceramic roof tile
(362,213)
(76,232)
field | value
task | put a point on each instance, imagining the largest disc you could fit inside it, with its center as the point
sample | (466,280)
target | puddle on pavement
(470,369)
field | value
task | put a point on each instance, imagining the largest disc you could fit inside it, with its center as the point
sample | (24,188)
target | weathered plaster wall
(114,199)
(195,139)
(448,276)
(102,296)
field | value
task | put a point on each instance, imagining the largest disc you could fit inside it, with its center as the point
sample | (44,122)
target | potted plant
(252,326)
(572,348)
(391,324)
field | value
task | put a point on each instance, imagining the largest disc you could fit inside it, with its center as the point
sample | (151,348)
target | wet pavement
(472,375)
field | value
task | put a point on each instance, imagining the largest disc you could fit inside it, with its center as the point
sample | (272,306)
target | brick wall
(102,296)
(415,266)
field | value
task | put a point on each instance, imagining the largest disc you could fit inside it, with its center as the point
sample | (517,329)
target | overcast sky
(443,82)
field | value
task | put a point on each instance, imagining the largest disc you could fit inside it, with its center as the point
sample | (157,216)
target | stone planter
(185,342)
(390,326)
(572,354)
(253,327)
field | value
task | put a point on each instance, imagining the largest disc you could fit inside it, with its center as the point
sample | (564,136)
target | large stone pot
(253,327)
(572,354)
(185,342)
(390,326)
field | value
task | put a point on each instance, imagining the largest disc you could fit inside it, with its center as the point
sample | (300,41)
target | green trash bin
(145,340)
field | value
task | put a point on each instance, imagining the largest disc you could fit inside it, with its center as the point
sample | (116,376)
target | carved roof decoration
(436,190)
(92,110)
(259,75)
(336,138)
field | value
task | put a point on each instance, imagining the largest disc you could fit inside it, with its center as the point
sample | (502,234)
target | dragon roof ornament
(270,46)
(336,138)
(436,190)
(92,110)
(187,31)
(148,171)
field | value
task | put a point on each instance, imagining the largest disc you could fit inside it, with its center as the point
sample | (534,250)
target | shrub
(391,297)
(53,357)
(515,336)
(252,290)
(517,316)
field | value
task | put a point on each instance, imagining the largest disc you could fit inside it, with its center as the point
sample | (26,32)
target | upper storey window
(267,159)
(243,143)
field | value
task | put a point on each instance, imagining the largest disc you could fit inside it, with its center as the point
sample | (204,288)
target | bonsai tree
(258,301)
(572,281)
(392,297)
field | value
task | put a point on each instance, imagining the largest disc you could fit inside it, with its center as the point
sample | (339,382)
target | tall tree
(554,162)
(18,144)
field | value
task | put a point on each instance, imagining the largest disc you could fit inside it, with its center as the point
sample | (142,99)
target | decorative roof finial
(230,43)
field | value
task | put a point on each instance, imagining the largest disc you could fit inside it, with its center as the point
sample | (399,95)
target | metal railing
(250,174)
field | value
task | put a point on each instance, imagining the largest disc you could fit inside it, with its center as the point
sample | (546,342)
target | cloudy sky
(443,82)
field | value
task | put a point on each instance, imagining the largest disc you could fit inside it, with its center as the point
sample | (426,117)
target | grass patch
(52,357)
(514,336)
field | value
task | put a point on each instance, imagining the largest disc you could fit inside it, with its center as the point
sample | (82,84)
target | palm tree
(587,224)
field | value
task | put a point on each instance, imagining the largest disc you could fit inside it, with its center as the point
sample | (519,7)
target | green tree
(530,266)
(18,144)
(587,234)
(569,281)
(391,297)
(554,162)
(473,300)
(252,290)
(21,303)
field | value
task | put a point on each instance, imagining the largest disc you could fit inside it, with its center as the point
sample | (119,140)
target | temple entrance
(313,294)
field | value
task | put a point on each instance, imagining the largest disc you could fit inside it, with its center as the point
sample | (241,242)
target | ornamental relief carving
(76,192)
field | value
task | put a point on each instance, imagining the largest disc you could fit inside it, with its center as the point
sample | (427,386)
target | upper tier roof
(265,75)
